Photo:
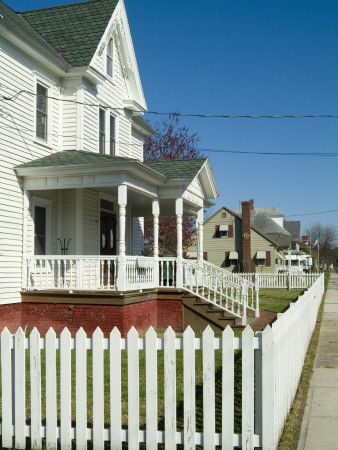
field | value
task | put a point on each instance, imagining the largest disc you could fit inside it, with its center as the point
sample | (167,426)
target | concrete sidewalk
(320,422)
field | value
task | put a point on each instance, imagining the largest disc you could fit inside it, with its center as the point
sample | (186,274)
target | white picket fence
(280,280)
(272,362)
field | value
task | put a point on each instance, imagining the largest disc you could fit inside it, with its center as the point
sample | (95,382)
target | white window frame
(110,55)
(261,262)
(47,86)
(223,234)
(43,203)
(105,130)
(115,133)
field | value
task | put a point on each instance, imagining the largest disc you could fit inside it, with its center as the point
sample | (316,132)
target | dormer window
(110,49)
(41,111)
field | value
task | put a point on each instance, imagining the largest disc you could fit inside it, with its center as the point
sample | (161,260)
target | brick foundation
(140,312)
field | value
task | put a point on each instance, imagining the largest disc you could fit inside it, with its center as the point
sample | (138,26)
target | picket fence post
(81,389)
(7,387)
(19,390)
(248,373)
(208,388)
(228,388)
(268,390)
(189,388)
(35,394)
(170,389)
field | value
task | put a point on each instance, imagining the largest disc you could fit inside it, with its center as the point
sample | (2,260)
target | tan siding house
(223,244)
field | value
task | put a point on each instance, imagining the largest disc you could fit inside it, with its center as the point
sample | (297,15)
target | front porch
(83,229)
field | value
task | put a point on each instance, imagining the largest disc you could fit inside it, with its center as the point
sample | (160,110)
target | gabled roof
(238,216)
(74,30)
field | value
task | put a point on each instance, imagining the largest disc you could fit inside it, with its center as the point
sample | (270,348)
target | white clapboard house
(74,187)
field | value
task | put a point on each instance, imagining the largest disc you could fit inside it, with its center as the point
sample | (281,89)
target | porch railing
(70,272)
(96,272)
(214,287)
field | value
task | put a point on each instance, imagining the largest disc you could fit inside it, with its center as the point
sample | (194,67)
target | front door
(108,234)
(108,246)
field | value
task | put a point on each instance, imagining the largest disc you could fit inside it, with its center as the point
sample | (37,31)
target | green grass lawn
(270,300)
(277,301)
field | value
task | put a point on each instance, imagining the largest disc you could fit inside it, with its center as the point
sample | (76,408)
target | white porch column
(156,213)
(25,206)
(79,222)
(200,217)
(179,252)
(121,265)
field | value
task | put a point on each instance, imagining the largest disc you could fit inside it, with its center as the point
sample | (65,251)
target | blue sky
(247,58)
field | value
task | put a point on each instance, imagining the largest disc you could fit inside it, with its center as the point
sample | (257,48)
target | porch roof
(176,169)
(65,169)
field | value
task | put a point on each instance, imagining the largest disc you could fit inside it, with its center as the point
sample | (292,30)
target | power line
(212,150)
(201,149)
(313,213)
(213,116)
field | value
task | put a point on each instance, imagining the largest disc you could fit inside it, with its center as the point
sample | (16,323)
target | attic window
(110,58)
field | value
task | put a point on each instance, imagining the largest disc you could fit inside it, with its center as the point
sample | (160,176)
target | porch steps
(199,313)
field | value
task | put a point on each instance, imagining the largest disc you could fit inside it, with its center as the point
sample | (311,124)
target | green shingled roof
(74,30)
(73,157)
(177,168)
(15,20)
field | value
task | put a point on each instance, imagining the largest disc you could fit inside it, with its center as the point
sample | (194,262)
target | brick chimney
(247,265)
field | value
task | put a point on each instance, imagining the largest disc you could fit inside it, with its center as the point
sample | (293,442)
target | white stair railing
(215,288)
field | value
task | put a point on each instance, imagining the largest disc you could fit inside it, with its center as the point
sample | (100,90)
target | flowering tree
(171,141)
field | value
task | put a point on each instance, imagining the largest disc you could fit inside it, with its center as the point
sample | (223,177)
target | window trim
(102,133)
(110,57)
(45,85)
(43,203)
(259,264)
(111,116)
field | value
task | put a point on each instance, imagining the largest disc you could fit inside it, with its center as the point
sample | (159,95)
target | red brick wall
(169,312)
(141,315)
(10,317)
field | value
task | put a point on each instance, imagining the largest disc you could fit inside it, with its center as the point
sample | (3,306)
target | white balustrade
(70,272)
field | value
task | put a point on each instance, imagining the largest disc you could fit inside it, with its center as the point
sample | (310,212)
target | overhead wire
(313,213)
(16,95)
(222,116)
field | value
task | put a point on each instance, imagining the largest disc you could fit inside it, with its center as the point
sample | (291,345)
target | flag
(316,242)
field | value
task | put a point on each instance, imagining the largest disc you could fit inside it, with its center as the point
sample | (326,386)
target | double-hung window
(102,130)
(41,111)
(112,135)
(110,50)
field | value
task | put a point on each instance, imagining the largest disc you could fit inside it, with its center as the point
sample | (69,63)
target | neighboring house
(74,187)
(233,242)
(297,260)
(294,228)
